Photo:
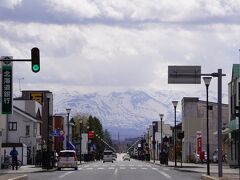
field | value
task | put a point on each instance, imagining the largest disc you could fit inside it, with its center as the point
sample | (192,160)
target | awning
(70,146)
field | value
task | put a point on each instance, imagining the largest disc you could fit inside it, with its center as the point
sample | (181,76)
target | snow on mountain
(129,112)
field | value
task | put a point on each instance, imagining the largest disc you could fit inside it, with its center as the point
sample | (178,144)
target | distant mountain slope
(129,112)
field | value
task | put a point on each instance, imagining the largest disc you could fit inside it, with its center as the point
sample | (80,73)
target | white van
(107,156)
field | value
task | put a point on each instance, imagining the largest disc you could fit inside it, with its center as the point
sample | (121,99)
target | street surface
(119,170)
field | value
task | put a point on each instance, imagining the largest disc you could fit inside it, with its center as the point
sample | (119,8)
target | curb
(206,177)
(24,177)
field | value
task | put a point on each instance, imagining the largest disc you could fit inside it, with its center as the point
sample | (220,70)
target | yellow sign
(37,97)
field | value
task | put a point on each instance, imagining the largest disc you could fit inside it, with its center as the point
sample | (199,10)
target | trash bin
(147,157)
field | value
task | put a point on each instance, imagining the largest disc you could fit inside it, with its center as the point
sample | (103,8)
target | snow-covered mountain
(128,113)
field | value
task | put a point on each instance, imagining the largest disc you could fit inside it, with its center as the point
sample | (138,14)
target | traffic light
(35,60)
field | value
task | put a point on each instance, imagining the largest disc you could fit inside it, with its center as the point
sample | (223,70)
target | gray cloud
(108,44)
(123,12)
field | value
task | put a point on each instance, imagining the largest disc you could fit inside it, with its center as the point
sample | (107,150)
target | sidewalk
(228,173)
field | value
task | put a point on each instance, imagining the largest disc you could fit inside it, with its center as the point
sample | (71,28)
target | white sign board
(84,143)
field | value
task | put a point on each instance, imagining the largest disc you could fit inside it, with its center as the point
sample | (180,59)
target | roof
(29,116)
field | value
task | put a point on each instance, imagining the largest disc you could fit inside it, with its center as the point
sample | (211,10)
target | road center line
(65,174)
(115,172)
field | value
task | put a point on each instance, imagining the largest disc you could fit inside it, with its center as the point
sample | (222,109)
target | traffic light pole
(35,59)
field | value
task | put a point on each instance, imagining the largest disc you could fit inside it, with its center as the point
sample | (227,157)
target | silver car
(107,156)
(67,159)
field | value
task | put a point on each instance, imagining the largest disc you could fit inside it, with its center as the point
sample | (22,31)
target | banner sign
(199,142)
(6,85)
(37,97)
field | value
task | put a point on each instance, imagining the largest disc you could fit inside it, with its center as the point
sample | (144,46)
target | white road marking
(79,168)
(115,172)
(122,168)
(86,166)
(133,168)
(100,168)
(89,168)
(163,173)
(65,174)
(111,168)
(144,168)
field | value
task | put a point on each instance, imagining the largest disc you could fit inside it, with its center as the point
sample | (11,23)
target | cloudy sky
(105,45)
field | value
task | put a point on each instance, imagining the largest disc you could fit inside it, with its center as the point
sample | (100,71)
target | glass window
(27,130)
(12,126)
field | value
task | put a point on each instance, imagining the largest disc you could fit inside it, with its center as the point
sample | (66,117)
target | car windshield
(107,153)
(66,154)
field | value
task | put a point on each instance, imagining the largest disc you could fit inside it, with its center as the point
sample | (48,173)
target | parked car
(107,156)
(67,159)
(126,157)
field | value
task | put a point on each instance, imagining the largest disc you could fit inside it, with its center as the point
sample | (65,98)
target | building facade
(194,120)
(233,156)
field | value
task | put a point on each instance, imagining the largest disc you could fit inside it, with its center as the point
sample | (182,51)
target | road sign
(55,133)
(61,132)
(90,134)
(6,85)
(184,74)
(61,138)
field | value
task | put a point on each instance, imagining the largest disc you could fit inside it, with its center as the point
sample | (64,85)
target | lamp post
(161,117)
(175,133)
(207,81)
(80,144)
(68,112)
(154,123)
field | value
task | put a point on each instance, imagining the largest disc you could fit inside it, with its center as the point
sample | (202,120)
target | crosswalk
(117,166)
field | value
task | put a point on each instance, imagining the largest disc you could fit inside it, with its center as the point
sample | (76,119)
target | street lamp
(68,112)
(207,81)
(80,144)
(175,133)
(161,117)
(154,123)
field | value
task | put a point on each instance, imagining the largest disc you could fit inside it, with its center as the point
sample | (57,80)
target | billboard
(184,74)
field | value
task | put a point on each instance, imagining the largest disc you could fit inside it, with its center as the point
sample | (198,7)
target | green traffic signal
(35,68)
(35,60)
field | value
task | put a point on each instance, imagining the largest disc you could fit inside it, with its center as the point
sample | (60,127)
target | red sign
(199,142)
(90,134)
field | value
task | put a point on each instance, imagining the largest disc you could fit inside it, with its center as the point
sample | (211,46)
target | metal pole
(154,143)
(219,122)
(175,142)
(68,129)
(208,167)
(80,150)
(161,135)
(48,154)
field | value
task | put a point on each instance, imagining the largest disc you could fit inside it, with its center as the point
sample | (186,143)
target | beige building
(194,119)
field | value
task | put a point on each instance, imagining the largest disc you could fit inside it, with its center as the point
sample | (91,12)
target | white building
(24,126)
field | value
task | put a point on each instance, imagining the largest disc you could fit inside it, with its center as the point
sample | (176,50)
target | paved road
(119,170)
